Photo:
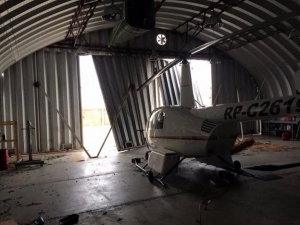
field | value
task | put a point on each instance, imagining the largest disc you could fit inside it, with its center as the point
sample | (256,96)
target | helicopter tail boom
(252,110)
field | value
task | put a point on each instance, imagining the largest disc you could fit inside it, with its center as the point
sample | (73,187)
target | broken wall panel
(121,75)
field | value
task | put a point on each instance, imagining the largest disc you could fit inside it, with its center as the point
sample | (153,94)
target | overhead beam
(214,5)
(230,38)
(157,8)
(259,38)
(122,51)
(221,5)
(80,19)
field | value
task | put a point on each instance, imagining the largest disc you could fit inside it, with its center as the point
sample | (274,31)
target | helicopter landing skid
(149,173)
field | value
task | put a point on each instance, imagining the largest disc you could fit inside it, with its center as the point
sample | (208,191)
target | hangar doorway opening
(95,121)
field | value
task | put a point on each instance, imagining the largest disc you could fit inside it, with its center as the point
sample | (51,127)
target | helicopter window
(159,122)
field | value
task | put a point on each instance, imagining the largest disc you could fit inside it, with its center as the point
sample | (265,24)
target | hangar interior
(140,49)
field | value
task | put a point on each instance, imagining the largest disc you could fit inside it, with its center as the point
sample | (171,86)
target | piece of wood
(242,145)
(9,222)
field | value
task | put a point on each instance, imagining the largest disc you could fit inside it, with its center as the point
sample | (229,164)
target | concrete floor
(109,190)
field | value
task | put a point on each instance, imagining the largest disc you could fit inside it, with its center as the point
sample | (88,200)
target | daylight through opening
(95,121)
(202,84)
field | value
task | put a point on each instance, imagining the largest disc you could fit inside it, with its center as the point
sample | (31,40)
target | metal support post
(20,162)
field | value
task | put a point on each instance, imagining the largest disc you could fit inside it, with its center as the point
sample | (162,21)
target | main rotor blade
(245,30)
(171,64)
(204,46)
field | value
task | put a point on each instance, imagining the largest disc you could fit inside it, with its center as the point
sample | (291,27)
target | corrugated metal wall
(116,75)
(58,75)
(169,84)
(228,77)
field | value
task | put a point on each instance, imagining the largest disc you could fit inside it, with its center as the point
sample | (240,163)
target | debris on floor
(5,200)
(5,212)
(9,222)
(33,203)
(240,146)
(79,159)
(268,146)
(55,157)
(257,146)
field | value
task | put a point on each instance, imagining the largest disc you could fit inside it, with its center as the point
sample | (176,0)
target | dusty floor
(109,190)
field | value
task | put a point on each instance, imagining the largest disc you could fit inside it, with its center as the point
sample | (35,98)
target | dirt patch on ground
(256,146)
(268,146)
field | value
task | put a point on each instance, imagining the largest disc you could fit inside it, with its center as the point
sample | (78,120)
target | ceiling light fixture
(154,56)
(82,51)
(112,13)
(213,21)
(215,60)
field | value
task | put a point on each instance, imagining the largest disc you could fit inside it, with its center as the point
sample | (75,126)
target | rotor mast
(186,88)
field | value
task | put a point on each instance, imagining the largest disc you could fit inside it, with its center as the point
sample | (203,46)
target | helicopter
(208,134)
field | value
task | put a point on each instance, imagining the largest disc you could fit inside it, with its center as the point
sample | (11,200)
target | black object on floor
(69,220)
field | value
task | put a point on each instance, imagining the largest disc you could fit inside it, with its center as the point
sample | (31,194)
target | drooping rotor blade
(171,64)
(204,46)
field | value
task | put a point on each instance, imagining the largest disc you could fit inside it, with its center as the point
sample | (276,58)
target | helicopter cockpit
(155,127)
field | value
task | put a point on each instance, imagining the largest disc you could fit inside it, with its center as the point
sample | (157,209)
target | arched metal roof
(267,53)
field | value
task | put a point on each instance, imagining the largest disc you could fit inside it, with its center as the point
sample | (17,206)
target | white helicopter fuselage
(211,130)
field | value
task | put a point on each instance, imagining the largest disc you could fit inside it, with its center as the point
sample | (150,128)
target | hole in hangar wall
(95,121)
(202,83)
